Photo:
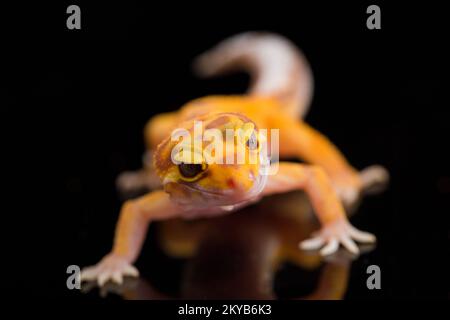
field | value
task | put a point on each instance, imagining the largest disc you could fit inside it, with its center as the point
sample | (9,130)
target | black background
(76,102)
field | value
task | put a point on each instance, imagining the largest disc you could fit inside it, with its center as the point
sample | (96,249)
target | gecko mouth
(220,198)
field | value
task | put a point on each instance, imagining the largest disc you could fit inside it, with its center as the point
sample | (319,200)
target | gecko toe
(330,247)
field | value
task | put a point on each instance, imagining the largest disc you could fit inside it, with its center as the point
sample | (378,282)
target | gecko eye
(252,143)
(191,170)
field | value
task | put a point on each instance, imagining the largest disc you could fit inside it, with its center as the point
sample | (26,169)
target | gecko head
(216,160)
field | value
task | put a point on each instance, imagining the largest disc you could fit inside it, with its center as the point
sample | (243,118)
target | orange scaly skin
(223,188)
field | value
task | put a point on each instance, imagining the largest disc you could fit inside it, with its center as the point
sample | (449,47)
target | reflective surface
(76,104)
(242,255)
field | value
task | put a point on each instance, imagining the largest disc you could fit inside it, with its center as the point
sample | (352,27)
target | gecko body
(279,96)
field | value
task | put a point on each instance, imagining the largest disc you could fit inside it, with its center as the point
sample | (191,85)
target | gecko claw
(333,234)
(331,247)
(111,268)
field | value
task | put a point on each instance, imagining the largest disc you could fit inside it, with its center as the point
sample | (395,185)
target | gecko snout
(241,181)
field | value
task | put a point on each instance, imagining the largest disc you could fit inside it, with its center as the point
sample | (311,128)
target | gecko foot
(130,181)
(351,185)
(374,179)
(347,186)
(335,233)
(111,267)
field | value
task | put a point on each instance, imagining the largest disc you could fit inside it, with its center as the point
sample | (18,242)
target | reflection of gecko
(238,257)
(229,259)
(280,93)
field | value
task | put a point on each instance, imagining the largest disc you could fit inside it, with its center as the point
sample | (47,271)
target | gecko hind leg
(131,183)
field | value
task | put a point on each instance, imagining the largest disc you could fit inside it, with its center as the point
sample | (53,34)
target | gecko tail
(276,66)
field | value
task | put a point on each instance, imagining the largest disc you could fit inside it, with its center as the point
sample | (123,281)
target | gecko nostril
(231,183)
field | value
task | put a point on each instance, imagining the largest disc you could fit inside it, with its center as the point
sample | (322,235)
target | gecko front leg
(131,230)
(336,229)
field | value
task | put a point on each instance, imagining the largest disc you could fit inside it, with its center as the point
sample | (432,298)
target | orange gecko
(278,98)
